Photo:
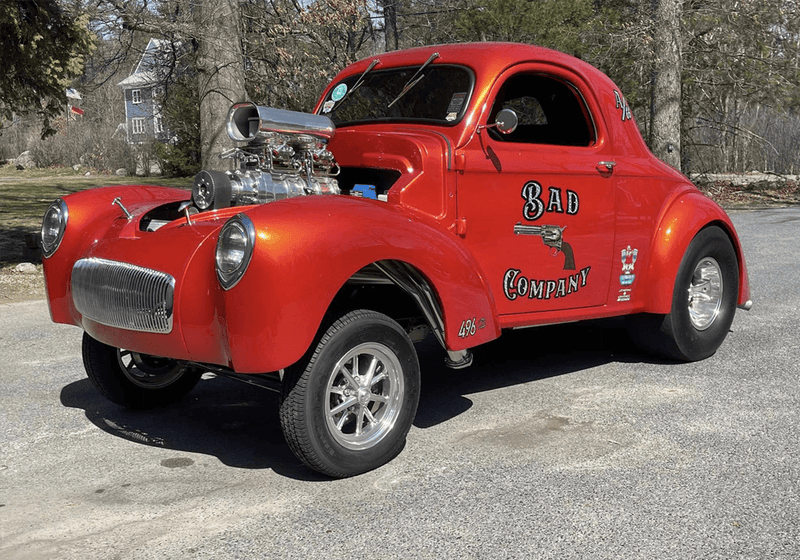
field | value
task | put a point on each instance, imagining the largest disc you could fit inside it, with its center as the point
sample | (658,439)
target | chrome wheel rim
(364,396)
(148,372)
(705,293)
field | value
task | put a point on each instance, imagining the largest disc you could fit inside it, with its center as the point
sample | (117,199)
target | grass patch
(25,195)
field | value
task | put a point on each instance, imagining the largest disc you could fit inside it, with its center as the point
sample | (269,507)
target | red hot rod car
(457,190)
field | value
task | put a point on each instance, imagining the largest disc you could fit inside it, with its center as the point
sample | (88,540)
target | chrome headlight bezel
(235,245)
(54,224)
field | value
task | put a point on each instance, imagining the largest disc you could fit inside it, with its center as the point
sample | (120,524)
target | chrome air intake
(247,121)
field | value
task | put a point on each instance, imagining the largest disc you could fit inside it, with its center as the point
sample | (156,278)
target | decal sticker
(622,105)
(627,277)
(470,326)
(456,103)
(553,237)
(328,106)
(515,285)
(534,207)
(467,328)
(338,92)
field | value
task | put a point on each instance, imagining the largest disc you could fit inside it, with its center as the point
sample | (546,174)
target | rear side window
(550,111)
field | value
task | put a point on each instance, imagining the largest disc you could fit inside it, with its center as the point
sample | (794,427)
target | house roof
(150,63)
(139,80)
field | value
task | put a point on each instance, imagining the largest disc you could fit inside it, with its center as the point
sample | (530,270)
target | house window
(138,126)
(158,124)
(136,95)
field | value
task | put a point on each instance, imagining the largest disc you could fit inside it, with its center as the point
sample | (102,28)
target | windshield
(439,93)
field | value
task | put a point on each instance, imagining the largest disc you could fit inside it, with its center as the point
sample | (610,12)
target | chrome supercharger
(286,156)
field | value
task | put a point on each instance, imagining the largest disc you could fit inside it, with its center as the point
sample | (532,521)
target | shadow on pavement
(235,422)
(238,423)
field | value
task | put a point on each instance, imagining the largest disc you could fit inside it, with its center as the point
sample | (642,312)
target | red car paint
(451,214)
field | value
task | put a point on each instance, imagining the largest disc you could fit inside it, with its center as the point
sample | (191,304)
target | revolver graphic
(553,238)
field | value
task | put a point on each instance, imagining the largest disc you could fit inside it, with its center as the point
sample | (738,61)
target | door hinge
(459,161)
(459,226)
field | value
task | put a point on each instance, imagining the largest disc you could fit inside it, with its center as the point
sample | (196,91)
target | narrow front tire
(135,380)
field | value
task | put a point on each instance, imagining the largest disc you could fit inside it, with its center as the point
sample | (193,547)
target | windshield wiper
(414,79)
(360,79)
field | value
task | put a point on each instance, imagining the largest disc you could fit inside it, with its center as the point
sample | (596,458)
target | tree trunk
(220,76)
(391,34)
(665,106)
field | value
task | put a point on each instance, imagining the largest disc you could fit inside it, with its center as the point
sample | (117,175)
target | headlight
(234,249)
(54,224)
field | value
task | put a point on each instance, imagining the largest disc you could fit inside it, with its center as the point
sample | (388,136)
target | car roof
(486,58)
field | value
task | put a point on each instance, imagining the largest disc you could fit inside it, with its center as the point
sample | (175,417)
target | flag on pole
(73,93)
(76,110)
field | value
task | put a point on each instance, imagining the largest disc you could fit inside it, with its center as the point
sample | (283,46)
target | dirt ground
(21,286)
(749,190)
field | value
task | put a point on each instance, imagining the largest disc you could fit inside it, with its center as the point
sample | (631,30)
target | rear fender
(307,248)
(682,221)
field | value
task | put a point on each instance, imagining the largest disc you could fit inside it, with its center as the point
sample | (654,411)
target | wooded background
(713,84)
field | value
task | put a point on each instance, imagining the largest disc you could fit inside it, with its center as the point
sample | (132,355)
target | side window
(550,111)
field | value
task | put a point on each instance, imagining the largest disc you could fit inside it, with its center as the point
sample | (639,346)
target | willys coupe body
(455,191)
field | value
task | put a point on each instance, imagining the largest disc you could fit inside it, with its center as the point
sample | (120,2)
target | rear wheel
(136,380)
(703,302)
(348,407)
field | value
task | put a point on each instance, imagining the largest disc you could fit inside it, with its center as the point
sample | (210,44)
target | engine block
(286,155)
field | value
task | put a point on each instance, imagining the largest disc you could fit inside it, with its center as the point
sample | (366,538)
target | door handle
(608,165)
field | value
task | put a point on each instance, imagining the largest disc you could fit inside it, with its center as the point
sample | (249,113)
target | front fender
(91,215)
(305,251)
(679,224)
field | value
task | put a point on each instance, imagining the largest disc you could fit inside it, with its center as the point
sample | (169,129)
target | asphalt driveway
(561,442)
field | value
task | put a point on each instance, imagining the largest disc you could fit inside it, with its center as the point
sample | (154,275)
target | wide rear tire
(703,302)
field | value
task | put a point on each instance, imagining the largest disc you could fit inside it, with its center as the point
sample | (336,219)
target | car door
(536,206)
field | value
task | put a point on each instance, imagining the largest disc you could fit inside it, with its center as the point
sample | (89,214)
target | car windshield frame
(442,91)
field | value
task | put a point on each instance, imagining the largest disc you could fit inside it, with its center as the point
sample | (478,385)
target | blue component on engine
(366,191)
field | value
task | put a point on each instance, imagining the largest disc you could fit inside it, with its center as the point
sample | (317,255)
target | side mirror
(506,121)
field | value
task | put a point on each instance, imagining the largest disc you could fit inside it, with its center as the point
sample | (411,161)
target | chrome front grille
(123,295)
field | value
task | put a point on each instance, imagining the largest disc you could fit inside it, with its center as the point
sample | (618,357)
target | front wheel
(348,407)
(135,380)
(703,302)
